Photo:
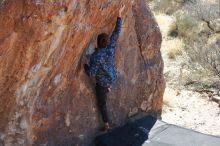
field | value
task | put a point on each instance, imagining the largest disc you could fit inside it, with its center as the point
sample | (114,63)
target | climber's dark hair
(102,40)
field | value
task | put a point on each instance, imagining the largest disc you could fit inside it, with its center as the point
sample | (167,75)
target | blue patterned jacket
(102,62)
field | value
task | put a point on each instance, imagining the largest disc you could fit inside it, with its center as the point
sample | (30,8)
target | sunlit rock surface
(45,96)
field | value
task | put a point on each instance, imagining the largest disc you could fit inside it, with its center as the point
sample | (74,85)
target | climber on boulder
(102,66)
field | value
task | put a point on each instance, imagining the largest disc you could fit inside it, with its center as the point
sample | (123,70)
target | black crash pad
(149,131)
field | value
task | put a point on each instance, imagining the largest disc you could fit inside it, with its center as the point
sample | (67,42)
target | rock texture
(45,96)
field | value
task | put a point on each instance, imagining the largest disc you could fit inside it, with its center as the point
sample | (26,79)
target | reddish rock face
(45,96)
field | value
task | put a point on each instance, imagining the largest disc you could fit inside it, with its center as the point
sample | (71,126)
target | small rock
(177,93)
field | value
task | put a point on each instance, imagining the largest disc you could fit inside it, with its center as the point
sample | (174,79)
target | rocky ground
(183,106)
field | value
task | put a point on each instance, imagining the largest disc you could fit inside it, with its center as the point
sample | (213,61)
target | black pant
(101,95)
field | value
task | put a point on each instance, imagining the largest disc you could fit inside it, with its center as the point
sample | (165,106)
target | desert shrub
(173,30)
(207,9)
(186,25)
(205,53)
(194,28)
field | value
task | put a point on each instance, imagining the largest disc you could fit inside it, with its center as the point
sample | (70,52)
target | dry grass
(165,6)
(174,48)
(167,103)
(166,23)
(169,99)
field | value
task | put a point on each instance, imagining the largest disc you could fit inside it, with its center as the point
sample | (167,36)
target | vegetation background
(191,53)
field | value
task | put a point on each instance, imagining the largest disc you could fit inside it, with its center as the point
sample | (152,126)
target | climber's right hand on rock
(121,10)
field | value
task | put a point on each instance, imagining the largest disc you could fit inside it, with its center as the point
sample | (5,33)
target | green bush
(187,25)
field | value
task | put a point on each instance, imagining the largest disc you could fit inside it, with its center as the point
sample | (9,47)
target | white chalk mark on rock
(23,123)
(35,68)
(56,41)
(57,79)
(61,12)
(67,119)
(39,2)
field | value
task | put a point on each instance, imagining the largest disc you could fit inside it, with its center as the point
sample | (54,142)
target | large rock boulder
(45,96)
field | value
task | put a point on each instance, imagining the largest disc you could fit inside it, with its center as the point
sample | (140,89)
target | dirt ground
(191,110)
